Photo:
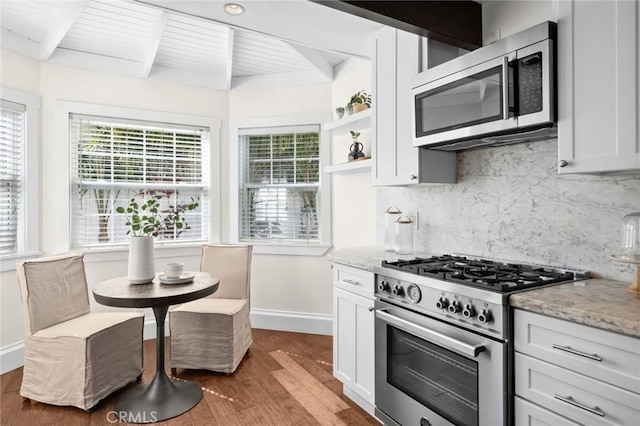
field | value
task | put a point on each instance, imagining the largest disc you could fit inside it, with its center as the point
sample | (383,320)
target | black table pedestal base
(162,399)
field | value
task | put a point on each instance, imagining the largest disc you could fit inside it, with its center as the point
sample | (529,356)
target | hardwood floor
(285,379)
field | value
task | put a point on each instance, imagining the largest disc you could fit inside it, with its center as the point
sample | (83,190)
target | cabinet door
(353,351)
(395,60)
(598,54)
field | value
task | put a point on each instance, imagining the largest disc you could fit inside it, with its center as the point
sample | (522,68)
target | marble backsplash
(510,203)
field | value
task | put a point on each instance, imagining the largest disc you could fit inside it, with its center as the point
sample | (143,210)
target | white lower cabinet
(568,373)
(353,333)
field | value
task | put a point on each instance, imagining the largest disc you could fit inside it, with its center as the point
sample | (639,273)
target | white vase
(142,267)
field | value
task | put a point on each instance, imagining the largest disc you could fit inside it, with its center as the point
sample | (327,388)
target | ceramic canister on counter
(390,216)
(403,235)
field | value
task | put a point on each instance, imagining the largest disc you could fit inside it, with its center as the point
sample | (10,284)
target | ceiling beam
(63,24)
(316,60)
(154,44)
(229,75)
(458,23)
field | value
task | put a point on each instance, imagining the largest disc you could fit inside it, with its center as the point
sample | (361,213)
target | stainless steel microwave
(501,93)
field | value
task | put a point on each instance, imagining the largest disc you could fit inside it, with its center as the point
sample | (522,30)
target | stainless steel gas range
(442,337)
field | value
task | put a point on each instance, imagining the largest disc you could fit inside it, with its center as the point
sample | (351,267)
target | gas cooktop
(486,274)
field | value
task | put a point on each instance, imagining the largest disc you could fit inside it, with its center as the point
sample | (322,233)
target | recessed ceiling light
(233,9)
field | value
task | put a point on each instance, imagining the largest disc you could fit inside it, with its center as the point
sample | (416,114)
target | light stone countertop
(368,257)
(595,302)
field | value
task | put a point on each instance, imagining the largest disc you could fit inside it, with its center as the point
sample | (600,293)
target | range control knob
(468,311)
(454,307)
(397,290)
(442,303)
(484,316)
(383,285)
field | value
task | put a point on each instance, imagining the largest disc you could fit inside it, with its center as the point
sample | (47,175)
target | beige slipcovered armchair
(73,357)
(214,333)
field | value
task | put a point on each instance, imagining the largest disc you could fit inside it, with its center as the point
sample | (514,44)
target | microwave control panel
(529,83)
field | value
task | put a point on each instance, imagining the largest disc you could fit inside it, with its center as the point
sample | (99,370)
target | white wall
(513,16)
(353,197)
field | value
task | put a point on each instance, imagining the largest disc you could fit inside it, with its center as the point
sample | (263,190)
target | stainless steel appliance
(442,338)
(501,93)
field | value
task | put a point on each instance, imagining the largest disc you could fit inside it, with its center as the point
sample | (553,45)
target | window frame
(311,248)
(63,111)
(28,243)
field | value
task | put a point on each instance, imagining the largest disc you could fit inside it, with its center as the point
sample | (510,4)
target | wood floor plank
(10,407)
(328,398)
(10,381)
(252,395)
(308,400)
(322,372)
(294,411)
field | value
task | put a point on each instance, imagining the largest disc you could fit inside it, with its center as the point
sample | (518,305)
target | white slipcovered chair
(214,333)
(73,357)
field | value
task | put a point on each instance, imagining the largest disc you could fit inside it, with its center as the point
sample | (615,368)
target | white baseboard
(12,356)
(292,321)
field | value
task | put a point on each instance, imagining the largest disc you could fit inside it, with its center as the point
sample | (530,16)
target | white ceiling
(273,43)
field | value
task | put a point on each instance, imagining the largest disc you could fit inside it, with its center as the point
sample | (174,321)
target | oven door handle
(434,336)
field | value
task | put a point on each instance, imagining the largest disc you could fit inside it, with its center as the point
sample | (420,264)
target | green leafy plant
(145,217)
(354,135)
(360,97)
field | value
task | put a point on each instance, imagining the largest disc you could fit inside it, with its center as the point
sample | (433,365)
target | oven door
(432,373)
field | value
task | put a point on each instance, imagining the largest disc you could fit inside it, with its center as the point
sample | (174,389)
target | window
(281,199)
(115,160)
(19,159)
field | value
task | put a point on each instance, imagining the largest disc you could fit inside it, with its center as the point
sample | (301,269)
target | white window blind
(115,160)
(12,142)
(279,184)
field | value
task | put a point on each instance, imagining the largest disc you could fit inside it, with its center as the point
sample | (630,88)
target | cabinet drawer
(355,280)
(580,398)
(528,414)
(610,357)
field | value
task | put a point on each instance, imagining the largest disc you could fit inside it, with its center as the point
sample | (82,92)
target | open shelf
(356,121)
(350,167)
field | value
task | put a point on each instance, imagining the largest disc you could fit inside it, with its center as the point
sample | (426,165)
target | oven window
(465,102)
(439,379)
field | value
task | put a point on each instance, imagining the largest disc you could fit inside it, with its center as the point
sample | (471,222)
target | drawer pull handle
(569,400)
(351,282)
(594,357)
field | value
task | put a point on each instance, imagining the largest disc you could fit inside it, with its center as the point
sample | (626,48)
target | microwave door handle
(434,336)
(505,88)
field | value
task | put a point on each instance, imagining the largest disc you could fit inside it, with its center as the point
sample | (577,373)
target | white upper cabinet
(599,86)
(396,59)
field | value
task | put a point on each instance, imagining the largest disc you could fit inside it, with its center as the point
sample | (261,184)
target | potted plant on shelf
(146,219)
(359,102)
(355,151)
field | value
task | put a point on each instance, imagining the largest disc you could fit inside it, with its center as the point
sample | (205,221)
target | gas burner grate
(482,273)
